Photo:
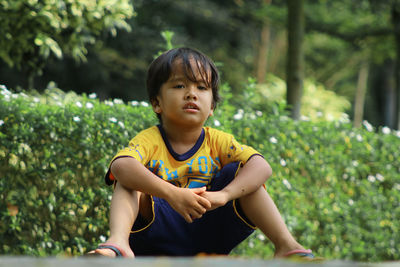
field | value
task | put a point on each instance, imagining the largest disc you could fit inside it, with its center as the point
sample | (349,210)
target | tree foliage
(34,30)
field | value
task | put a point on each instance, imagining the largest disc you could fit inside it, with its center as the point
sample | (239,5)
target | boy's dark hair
(160,70)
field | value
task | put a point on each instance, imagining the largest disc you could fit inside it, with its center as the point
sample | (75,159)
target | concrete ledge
(6,261)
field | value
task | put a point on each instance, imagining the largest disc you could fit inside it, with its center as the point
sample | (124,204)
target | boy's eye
(178,86)
(202,87)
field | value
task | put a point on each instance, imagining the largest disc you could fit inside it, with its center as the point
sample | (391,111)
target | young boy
(181,189)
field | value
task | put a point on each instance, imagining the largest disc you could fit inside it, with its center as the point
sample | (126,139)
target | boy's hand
(216,198)
(189,203)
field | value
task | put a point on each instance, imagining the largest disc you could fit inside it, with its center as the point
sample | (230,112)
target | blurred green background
(349,47)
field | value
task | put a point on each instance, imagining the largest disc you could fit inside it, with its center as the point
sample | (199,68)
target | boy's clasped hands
(192,203)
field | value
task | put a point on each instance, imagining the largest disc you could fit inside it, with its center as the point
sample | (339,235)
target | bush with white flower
(337,187)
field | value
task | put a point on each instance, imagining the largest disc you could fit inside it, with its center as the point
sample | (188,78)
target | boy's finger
(195,214)
(188,218)
(199,190)
(204,202)
(200,210)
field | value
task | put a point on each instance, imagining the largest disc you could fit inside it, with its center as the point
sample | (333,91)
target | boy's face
(182,102)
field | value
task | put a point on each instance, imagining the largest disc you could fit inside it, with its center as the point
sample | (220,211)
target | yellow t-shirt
(195,168)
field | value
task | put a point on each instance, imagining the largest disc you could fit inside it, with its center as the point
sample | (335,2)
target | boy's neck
(182,139)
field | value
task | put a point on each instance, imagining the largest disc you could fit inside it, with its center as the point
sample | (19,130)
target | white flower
(113,119)
(252,116)
(36,100)
(108,103)
(371,178)
(304,118)
(319,114)
(330,117)
(259,113)
(354,163)
(251,244)
(283,162)
(92,96)
(4,91)
(345,176)
(344,117)
(78,104)
(1,122)
(89,105)
(134,103)
(261,237)
(287,184)
(398,134)
(397,186)
(380,177)
(386,130)
(351,202)
(3,87)
(144,103)
(368,126)
(359,138)
(217,123)
(76,119)
(121,124)
(238,116)
(118,101)
(102,238)
(273,140)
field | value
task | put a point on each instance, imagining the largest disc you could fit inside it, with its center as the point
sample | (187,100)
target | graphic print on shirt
(197,172)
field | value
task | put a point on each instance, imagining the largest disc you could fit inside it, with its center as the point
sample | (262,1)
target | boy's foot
(301,255)
(112,251)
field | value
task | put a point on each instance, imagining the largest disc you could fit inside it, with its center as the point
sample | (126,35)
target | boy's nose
(190,93)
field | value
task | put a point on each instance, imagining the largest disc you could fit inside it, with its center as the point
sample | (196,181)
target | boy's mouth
(190,106)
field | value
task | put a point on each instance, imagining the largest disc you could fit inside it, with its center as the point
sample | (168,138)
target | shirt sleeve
(139,148)
(232,151)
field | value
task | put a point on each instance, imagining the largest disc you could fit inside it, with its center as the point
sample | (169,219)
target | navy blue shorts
(217,231)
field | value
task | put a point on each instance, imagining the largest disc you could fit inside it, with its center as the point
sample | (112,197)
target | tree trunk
(360,94)
(295,57)
(396,26)
(262,60)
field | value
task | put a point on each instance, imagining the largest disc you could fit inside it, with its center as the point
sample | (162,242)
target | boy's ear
(156,106)
(212,110)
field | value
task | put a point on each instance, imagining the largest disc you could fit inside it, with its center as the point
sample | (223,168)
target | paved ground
(173,262)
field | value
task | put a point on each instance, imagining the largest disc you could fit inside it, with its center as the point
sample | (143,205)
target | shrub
(336,186)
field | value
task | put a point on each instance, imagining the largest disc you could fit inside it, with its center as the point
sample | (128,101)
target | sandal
(117,250)
(301,255)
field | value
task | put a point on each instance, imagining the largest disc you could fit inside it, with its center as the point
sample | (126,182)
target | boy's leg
(261,210)
(123,212)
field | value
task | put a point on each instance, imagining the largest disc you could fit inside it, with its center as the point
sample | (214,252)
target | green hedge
(337,187)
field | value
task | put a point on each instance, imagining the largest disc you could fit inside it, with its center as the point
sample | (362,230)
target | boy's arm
(251,176)
(133,175)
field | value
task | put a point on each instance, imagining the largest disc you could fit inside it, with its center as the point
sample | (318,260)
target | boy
(185,188)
